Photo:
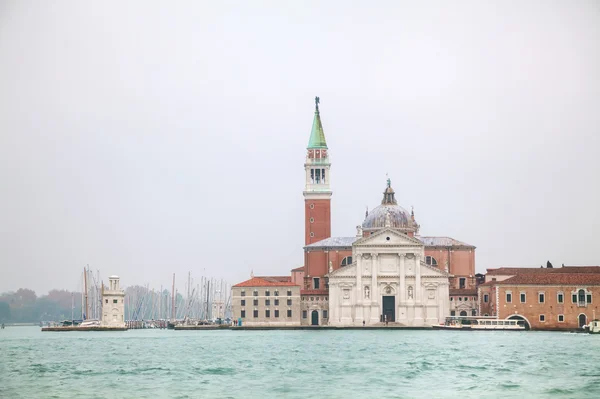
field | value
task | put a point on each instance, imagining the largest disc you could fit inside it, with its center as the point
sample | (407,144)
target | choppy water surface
(297,364)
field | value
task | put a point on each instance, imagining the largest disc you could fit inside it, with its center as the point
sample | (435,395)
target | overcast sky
(151,138)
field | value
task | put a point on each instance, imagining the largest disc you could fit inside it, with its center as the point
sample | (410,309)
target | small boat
(90,323)
(472,323)
(594,327)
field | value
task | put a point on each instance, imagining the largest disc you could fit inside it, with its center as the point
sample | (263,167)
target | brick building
(563,298)
(266,301)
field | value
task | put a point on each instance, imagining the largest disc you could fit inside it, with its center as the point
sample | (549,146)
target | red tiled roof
(552,279)
(463,292)
(265,282)
(276,278)
(507,271)
(298,269)
(314,292)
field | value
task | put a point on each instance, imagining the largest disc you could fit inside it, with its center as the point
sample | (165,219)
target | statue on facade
(388,220)
(367,292)
(330,266)
(389,182)
(410,292)
(359,231)
(317,101)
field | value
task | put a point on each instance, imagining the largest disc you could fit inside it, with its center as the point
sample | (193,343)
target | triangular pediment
(345,271)
(388,237)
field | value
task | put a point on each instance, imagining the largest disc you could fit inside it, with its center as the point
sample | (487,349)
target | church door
(314,318)
(389,306)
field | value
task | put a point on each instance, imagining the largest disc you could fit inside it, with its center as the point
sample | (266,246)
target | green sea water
(297,364)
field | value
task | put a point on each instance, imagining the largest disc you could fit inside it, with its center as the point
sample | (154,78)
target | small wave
(217,371)
(558,391)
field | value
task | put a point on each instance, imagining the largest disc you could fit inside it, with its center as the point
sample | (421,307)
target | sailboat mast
(173,299)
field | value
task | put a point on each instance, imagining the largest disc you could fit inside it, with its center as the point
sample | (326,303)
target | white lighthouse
(113,304)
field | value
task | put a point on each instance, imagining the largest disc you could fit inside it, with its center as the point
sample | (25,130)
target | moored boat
(594,327)
(474,323)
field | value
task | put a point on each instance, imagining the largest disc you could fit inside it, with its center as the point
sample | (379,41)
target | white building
(388,279)
(113,304)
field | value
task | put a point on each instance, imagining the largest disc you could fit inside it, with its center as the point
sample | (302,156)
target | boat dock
(76,328)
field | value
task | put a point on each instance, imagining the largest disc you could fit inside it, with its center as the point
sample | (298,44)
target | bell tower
(317,189)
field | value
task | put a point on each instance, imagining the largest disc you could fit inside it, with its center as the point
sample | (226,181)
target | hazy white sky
(151,138)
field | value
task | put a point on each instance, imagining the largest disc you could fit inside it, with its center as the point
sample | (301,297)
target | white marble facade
(388,276)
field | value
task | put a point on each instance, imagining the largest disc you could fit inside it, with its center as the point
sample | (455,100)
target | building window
(115,301)
(560,297)
(451,298)
(508,297)
(255,302)
(289,313)
(473,312)
(452,313)
(316,283)
(325,314)
(523,297)
(106,300)
(431,261)
(243,315)
(581,297)
(255,313)
(289,293)
(312,234)
(289,302)
(276,313)
(588,298)
(574,298)
(267,302)
(461,282)
(304,314)
(541,297)
(312,220)
(276,302)
(243,302)
(460,298)
(255,293)
(486,298)
(312,206)
(347,261)
(542,317)
(267,313)
(267,293)
(276,292)
(561,318)
(243,293)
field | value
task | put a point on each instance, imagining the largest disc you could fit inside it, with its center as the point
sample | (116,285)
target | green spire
(317,137)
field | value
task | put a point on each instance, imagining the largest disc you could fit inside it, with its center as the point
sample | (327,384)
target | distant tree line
(24,306)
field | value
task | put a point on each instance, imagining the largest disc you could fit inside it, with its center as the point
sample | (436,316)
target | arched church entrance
(314,318)
(582,320)
(520,321)
(463,313)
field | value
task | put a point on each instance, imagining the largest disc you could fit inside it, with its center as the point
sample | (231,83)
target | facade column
(359,289)
(418,304)
(402,287)
(374,289)
(418,279)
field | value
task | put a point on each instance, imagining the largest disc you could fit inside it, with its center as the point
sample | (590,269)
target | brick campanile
(317,191)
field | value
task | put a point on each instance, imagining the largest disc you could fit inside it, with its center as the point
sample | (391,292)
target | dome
(389,212)
(399,217)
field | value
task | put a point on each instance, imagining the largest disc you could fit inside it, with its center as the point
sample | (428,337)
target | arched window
(581,297)
(430,260)
(347,261)
(463,313)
